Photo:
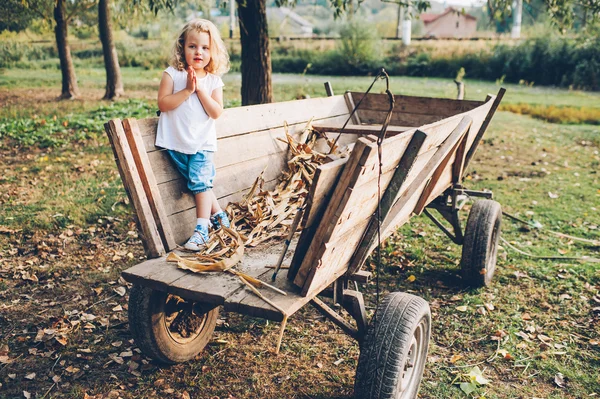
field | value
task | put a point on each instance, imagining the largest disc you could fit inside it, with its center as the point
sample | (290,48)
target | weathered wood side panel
(410,111)
(144,168)
(355,199)
(444,107)
(130,175)
(249,140)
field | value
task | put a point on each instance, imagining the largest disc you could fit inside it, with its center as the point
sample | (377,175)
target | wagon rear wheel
(480,248)
(393,353)
(168,328)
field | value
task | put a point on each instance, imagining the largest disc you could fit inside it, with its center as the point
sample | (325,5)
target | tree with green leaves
(256,54)
(564,14)
(63,12)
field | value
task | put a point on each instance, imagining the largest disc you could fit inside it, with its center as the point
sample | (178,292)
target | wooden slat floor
(223,288)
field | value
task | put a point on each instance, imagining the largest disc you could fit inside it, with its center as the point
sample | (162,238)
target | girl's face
(197,50)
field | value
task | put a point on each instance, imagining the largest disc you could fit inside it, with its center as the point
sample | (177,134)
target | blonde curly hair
(219,58)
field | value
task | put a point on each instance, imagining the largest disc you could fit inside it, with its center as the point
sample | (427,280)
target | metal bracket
(354,304)
(448,205)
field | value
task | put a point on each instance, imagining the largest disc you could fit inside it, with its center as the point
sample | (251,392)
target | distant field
(143,83)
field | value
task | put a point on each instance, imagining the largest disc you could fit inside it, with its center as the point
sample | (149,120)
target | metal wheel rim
(412,362)
(175,336)
(493,250)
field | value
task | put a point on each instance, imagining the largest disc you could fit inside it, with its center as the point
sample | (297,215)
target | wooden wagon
(429,142)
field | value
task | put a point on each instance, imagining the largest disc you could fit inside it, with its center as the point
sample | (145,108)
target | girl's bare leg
(204,204)
(215,207)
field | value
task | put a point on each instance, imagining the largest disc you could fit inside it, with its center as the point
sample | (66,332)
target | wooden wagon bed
(431,140)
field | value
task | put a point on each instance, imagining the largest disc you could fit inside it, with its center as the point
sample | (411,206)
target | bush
(51,131)
(12,53)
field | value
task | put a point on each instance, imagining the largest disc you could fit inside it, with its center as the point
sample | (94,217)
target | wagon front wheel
(480,247)
(168,328)
(393,353)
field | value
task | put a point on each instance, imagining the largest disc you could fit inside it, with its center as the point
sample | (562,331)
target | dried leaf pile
(262,214)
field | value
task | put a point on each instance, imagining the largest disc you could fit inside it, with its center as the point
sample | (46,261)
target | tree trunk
(256,55)
(114,83)
(69,80)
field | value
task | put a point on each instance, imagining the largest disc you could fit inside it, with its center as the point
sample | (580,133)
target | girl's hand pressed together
(191,80)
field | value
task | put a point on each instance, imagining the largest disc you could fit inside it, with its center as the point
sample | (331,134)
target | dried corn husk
(262,215)
(230,250)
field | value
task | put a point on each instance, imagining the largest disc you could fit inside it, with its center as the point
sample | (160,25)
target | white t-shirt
(188,128)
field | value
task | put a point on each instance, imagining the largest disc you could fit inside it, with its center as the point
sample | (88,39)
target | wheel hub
(184,320)
(412,361)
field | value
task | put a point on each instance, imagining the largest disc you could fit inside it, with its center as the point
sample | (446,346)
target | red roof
(428,18)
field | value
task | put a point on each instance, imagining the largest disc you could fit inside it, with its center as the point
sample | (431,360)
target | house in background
(452,23)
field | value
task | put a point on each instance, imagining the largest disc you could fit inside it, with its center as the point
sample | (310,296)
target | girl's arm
(166,99)
(213,104)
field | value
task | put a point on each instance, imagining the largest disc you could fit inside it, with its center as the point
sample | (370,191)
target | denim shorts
(198,169)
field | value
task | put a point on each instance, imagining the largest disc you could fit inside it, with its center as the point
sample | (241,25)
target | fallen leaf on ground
(455,358)
(560,380)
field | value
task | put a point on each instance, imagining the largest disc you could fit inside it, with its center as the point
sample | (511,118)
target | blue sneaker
(198,240)
(220,219)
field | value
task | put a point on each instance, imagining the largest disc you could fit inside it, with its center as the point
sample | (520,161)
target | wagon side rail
(130,175)
(331,252)
(460,153)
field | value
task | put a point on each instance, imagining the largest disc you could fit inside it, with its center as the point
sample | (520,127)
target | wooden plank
(360,129)
(395,146)
(243,120)
(229,180)
(155,273)
(400,177)
(462,127)
(148,126)
(398,118)
(362,204)
(236,151)
(150,138)
(443,107)
(129,175)
(222,288)
(344,217)
(351,106)
(233,153)
(333,259)
(427,171)
(445,179)
(324,180)
(142,163)
(349,175)
(459,160)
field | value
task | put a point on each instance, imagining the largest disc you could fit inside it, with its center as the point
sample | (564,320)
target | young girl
(190,98)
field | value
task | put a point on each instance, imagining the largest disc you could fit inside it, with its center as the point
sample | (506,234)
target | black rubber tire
(397,337)
(480,247)
(148,320)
